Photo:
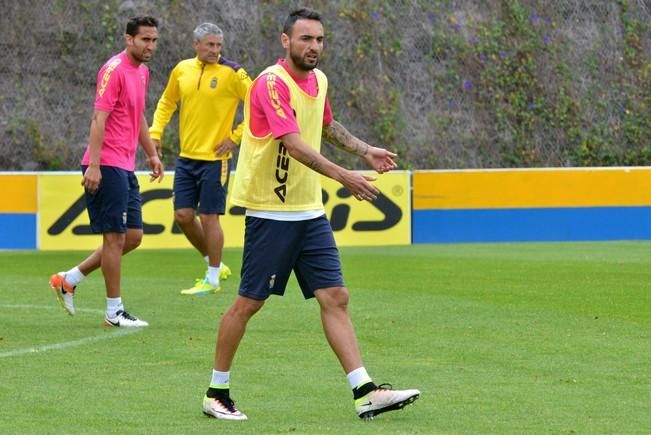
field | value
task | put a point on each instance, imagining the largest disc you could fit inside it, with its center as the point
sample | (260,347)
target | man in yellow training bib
(277,180)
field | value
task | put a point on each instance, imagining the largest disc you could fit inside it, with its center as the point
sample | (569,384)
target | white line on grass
(65,344)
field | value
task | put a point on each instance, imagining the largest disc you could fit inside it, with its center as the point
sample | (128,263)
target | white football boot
(222,408)
(123,319)
(384,399)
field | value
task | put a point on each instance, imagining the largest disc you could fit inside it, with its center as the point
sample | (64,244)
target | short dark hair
(133,25)
(305,13)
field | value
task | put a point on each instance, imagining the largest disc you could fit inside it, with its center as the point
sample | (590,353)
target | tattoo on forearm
(341,138)
(315,166)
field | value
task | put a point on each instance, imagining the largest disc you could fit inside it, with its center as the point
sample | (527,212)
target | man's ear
(284,39)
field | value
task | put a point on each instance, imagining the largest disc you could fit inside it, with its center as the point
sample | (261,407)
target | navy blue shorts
(272,249)
(202,183)
(116,205)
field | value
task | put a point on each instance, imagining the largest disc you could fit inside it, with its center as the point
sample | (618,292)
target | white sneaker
(222,408)
(123,319)
(63,291)
(384,399)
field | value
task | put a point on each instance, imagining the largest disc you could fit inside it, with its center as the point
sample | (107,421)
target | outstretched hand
(380,160)
(359,185)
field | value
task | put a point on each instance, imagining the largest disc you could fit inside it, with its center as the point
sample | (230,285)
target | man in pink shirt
(111,188)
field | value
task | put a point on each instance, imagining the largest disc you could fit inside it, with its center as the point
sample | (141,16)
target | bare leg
(111,259)
(192,229)
(338,328)
(213,238)
(94,260)
(231,330)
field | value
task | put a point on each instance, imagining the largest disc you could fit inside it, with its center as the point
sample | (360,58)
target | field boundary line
(64,344)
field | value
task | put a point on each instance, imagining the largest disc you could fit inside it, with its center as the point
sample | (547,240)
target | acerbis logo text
(339,216)
(282,172)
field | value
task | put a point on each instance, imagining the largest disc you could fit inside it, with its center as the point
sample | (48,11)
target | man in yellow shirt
(209,89)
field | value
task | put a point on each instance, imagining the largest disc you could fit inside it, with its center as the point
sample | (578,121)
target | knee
(209,220)
(132,241)
(245,308)
(184,216)
(114,241)
(336,297)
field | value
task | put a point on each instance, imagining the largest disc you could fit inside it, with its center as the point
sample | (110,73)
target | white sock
(358,377)
(113,305)
(213,275)
(207,260)
(220,379)
(74,276)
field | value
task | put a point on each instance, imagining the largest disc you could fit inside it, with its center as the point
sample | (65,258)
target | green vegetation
(500,338)
(445,84)
(535,104)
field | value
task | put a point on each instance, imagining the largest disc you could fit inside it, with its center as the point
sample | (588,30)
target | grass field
(507,338)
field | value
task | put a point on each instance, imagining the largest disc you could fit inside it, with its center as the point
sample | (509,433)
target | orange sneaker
(63,291)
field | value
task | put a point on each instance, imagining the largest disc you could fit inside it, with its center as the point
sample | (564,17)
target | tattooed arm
(337,135)
(377,158)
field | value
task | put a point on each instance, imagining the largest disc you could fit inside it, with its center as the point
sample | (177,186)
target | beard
(301,63)
(142,56)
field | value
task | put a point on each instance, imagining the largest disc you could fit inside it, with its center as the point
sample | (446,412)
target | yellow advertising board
(526,188)
(63,219)
(18,193)
(385,221)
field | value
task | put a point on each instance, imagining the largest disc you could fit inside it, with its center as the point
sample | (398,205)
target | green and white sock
(358,377)
(219,379)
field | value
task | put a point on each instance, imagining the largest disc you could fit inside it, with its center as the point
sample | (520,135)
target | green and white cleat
(201,287)
(224,272)
(384,399)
